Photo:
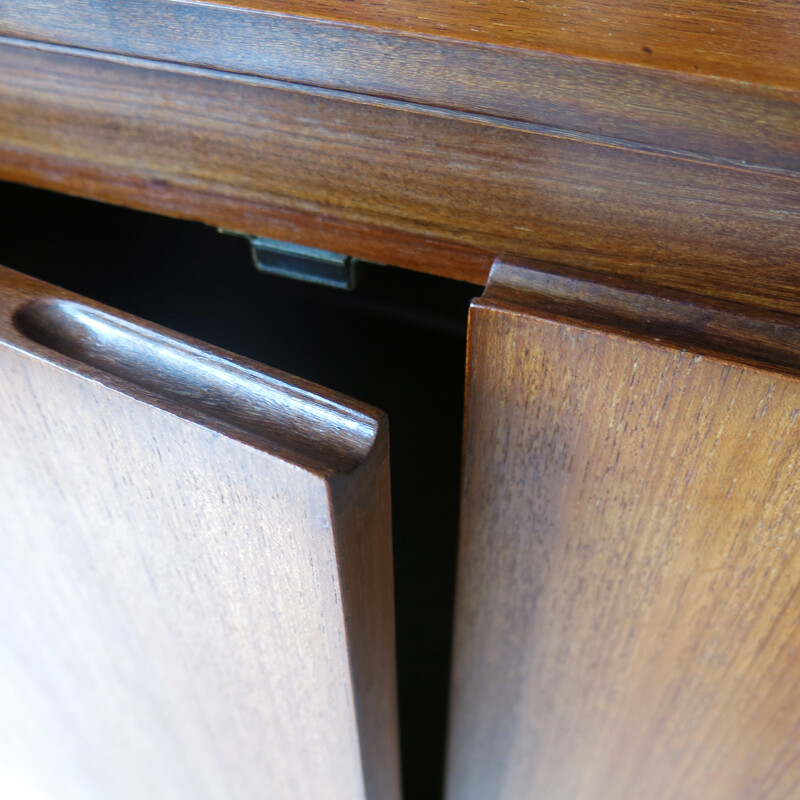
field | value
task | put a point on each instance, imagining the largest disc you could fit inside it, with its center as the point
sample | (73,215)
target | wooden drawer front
(196,582)
(628,579)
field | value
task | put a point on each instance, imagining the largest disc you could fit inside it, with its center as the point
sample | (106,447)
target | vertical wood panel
(628,605)
(196,582)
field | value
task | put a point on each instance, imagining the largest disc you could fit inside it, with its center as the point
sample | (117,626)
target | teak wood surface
(628,601)
(416,186)
(709,78)
(750,41)
(196,582)
(743,40)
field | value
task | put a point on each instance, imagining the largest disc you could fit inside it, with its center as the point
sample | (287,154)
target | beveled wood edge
(361,510)
(307,425)
(718,329)
(712,117)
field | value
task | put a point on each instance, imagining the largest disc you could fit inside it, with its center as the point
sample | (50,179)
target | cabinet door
(628,605)
(196,578)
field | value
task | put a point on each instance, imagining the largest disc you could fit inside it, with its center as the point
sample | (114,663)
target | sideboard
(198,564)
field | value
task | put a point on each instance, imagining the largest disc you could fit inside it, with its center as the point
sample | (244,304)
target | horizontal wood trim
(754,123)
(145,193)
(753,40)
(227,150)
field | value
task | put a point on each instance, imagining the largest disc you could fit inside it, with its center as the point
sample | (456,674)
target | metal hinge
(303,263)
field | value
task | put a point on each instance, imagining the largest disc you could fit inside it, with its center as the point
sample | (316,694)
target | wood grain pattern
(411,186)
(748,40)
(196,584)
(627,602)
(754,122)
(752,40)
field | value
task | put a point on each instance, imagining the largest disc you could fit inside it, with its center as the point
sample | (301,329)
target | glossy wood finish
(413,186)
(196,583)
(627,602)
(502,59)
(749,39)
